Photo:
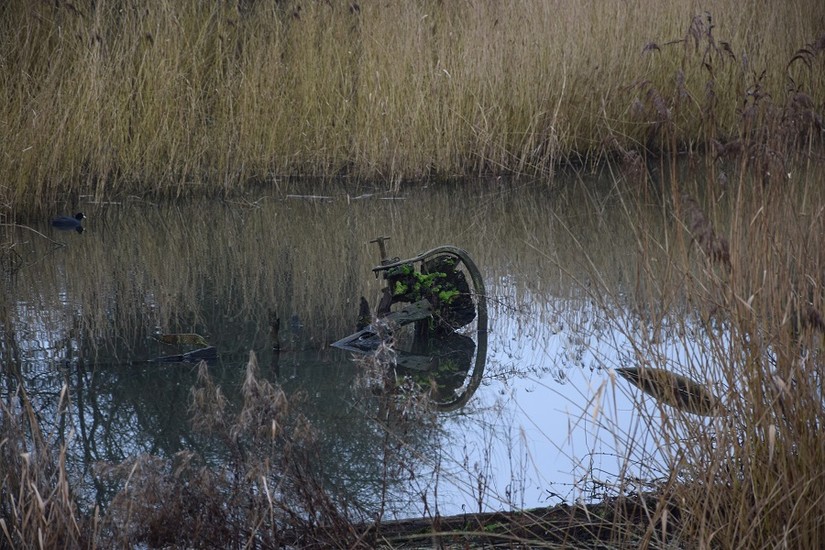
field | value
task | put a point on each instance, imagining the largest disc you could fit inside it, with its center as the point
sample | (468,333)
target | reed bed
(169,98)
(188,98)
(770,356)
(742,261)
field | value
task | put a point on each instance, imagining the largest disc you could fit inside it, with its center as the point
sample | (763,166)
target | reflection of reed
(714,246)
(217,269)
(672,389)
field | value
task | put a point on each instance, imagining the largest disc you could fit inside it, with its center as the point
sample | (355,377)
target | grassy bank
(112,98)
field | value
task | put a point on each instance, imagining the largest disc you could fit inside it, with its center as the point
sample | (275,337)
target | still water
(548,421)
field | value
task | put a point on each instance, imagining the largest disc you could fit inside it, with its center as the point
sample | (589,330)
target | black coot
(67,223)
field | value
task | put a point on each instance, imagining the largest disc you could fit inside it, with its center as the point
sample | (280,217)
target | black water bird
(68,223)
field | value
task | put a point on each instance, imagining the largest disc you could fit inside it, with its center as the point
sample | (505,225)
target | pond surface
(548,422)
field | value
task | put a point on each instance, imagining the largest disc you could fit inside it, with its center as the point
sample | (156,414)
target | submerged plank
(677,391)
(190,338)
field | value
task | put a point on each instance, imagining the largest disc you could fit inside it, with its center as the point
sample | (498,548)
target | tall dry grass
(37,502)
(170,98)
(194,98)
(766,457)
(268,492)
(737,284)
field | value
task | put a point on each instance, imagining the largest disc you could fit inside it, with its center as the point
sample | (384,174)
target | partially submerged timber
(677,391)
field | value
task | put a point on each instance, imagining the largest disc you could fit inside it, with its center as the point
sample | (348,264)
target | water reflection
(544,413)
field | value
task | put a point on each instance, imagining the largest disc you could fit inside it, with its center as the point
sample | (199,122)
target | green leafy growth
(447,296)
(400,288)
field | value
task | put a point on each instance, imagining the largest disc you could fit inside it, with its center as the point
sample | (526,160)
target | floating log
(674,390)
(209,353)
(190,339)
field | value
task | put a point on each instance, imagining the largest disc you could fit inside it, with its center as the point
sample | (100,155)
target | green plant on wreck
(441,285)
(411,285)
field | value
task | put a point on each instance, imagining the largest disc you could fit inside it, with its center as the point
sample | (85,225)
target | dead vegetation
(714,246)
(266,492)
(178,99)
(752,481)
